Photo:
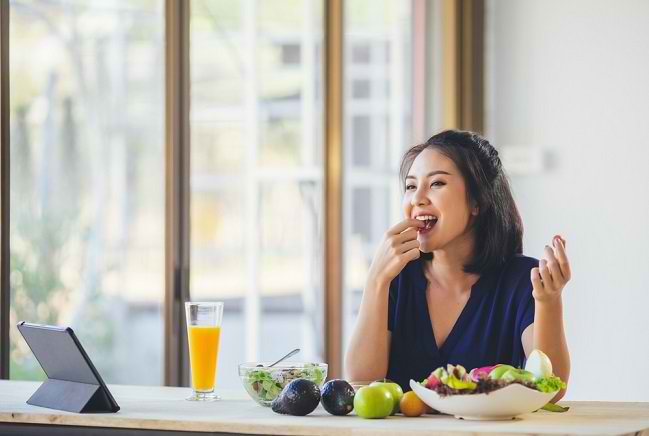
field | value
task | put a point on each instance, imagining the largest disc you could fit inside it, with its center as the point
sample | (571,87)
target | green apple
(516,374)
(373,402)
(395,390)
(498,371)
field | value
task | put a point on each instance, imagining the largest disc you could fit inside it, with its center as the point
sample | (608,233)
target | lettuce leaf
(549,384)
(551,407)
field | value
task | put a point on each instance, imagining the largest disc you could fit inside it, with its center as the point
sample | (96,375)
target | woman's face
(436,193)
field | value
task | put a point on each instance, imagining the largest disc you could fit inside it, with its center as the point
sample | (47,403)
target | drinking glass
(203,332)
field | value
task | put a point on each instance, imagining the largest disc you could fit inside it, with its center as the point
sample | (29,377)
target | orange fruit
(411,405)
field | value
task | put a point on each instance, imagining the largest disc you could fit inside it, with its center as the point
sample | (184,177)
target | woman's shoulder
(514,266)
(515,274)
(518,266)
(521,263)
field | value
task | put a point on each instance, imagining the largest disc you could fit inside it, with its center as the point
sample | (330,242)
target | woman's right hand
(399,246)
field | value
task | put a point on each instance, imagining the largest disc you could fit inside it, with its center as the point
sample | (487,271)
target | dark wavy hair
(498,228)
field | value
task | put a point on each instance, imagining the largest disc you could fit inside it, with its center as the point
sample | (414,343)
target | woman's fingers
(546,277)
(560,251)
(404,225)
(408,235)
(407,246)
(553,266)
(552,273)
(412,254)
(537,284)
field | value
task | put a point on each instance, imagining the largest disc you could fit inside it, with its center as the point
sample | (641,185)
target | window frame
(5,291)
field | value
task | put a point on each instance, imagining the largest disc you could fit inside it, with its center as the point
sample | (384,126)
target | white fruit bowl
(502,404)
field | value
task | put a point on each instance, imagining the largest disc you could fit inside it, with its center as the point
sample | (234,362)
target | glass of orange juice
(203,331)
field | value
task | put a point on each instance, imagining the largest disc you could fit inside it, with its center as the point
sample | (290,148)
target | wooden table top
(165,408)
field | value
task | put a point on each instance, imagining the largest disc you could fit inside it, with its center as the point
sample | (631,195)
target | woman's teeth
(429,220)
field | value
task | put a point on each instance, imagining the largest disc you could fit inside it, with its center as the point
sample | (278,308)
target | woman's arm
(367,355)
(547,333)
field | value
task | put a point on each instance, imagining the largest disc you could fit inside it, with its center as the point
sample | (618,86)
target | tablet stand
(71,397)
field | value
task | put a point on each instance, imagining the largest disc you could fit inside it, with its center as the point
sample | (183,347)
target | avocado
(338,397)
(300,397)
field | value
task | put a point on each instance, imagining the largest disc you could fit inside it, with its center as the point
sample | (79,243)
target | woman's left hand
(552,274)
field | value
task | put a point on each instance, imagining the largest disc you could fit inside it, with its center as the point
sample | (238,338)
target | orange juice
(203,351)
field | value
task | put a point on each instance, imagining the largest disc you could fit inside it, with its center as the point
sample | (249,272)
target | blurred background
(561,92)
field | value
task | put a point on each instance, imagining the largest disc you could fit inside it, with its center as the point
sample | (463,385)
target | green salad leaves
(549,384)
(267,383)
(551,407)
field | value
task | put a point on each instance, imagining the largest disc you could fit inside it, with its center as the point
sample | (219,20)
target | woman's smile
(429,221)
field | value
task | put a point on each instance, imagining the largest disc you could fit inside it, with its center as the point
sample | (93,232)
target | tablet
(73,383)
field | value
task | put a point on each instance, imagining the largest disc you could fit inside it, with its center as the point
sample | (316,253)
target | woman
(449,283)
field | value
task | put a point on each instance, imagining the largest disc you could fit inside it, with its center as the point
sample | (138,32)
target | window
(290,54)
(361,144)
(87,187)
(256,176)
(361,89)
(360,53)
(377,122)
(88,170)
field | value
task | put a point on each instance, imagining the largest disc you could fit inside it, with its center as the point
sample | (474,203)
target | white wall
(572,77)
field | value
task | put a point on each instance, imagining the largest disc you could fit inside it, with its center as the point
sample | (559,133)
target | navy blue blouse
(488,330)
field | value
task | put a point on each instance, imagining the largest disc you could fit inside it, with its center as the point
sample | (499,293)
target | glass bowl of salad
(263,384)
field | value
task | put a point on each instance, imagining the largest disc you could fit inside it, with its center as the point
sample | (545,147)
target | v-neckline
(460,323)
